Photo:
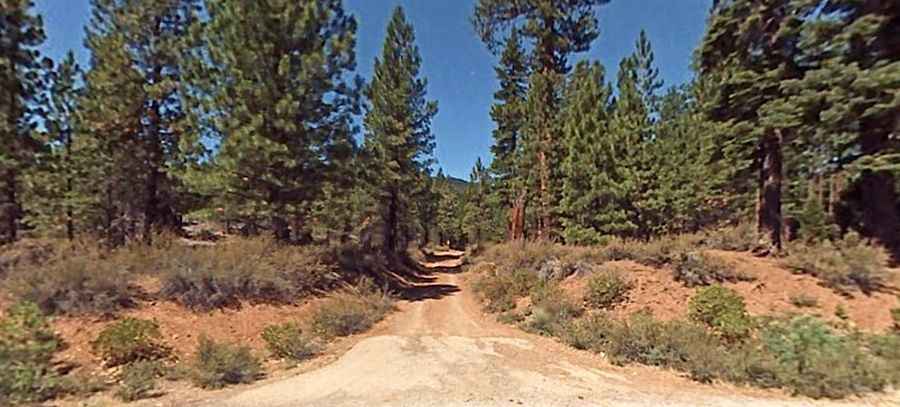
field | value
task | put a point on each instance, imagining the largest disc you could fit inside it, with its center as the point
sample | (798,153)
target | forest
(199,122)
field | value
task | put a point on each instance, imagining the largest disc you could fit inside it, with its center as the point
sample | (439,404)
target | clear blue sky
(456,63)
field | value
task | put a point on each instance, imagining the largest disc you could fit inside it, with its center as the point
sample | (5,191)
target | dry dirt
(439,349)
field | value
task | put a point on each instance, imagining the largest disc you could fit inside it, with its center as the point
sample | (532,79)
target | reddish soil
(180,327)
(771,292)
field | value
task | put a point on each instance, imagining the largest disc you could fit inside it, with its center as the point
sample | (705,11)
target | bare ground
(441,350)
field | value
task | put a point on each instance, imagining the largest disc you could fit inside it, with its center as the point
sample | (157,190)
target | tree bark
(390,225)
(769,218)
(12,207)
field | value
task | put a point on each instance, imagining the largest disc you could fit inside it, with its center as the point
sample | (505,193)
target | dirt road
(440,350)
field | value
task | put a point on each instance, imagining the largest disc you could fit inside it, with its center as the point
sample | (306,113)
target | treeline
(238,111)
(791,119)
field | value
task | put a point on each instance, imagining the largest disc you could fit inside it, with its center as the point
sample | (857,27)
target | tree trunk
(12,207)
(517,217)
(390,225)
(769,220)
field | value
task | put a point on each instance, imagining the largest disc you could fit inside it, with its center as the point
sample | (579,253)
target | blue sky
(458,66)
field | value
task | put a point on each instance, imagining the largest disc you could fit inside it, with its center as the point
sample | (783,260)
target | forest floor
(440,349)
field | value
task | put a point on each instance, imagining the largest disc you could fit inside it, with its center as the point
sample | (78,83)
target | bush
(218,365)
(76,284)
(350,311)
(130,340)
(138,380)
(550,308)
(27,345)
(846,263)
(588,333)
(815,361)
(257,270)
(740,238)
(606,289)
(723,310)
(895,315)
(500,288)
(804,301)
(288,341)
(700,269)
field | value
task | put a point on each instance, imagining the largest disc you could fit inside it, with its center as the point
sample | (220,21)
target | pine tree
(509,117)
(754,46)
(20,87)
(133,112)
(52,196)
(649,83)
(398,129)
(271,80)
(557,30)
(478,215)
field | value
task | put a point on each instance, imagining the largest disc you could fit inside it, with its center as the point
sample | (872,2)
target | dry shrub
(740,238)
(607,288)
(256,270)
(220,364)
(351,310)
(700,269)
(129,341)
(550,308)
(849,262)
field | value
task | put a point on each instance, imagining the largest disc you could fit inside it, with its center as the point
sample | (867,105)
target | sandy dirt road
(440,350)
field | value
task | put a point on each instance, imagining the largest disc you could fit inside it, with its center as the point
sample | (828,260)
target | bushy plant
(220,364)
(499,288)
(27,345)
(350,311)
(130,340)
(550,308)
(288,341)
(138,380)
(723,310)
(849,262)
(741,238)
(895,316)
(804,301)
(815,361)
(588,333)
(606,289)
(76,284)
(256,270)
(700,269)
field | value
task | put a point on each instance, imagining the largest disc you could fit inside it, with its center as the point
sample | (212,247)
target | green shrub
(841,312)
(723,310)
(700,269)
(130,340)
(550,308)
(350,311)
(288,341)
(138,380)
(815,361)
(218,365)
(588,333)
(849,262)
(27,345)
(606,289)
(804,301)
(895,316)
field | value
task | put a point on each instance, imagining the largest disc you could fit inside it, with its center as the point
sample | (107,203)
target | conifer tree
(398,129)
(52,194)
(21,32)
(509,117)
(478,216)
(754,45)
(557,30)
(272,82)
(133,112)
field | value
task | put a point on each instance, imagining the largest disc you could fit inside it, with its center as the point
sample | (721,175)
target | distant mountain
(458,184)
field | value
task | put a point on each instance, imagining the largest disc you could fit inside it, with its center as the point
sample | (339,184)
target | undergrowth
(217,365)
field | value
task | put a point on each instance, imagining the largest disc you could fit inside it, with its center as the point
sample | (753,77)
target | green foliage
(220,364)
(288,341)
(723,310)
(550,308)
(500,288)
(138,380)
(398,138)
(740,238)
(128,341)
(606,289)
(895,316)
(849,262)
(815,361)
(841,312)
(814,223)
(350,311)
(27,345)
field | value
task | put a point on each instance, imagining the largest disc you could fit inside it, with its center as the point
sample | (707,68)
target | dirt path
(440,350)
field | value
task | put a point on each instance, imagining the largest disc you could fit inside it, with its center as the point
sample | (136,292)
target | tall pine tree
(398,139)
(21,32)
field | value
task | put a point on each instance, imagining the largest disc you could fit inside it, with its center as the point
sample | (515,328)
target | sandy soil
(441,350)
